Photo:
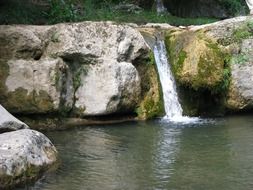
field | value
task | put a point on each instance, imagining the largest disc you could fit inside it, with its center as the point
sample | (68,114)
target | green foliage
(181,57)
(150,109)
(20,12)
(240,59)
(151,58)
(77,80)
(234,7)
(61,11)
(58,11)
(244,31)
(222,87)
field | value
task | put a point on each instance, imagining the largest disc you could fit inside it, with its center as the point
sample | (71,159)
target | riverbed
(209,154)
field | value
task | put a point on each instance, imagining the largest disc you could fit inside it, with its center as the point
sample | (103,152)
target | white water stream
(172,106)
(160,7)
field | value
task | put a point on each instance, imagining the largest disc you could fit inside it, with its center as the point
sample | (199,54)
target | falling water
(171,103)
(160,7)
(172,106)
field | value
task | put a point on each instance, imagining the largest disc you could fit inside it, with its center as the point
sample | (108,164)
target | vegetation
(243,32)
(235,7)
(56,11)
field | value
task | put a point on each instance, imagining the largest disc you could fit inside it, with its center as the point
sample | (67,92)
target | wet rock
(212,64)
(24,156)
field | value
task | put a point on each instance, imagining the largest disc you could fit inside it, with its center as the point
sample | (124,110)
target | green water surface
(214,154)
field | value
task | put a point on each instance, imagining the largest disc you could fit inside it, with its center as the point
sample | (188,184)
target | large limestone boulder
(8,122)
(31,82)
(36,86)
(108,88)
(83,69)
(24,155)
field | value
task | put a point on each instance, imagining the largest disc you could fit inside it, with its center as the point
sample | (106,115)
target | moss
(151,58)
(181,58)
(149,108)
(244,31)
(20,101)
(151,104)
(201,70)
(31,174)
(78,111)
(196,60)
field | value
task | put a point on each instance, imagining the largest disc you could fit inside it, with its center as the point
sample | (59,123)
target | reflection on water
(212,155)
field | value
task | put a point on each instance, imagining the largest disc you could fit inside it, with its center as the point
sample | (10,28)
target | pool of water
(157,155)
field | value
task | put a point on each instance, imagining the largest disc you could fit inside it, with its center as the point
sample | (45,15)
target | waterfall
(160,7)
(173,109)
(172,106)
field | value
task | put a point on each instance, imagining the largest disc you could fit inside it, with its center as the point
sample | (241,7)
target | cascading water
(172,106)
(160,7)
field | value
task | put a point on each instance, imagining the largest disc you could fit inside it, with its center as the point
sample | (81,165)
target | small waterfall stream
(160,7)
(172,106)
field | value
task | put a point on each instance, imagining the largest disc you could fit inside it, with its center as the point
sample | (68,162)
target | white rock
(8,122)
(24,155)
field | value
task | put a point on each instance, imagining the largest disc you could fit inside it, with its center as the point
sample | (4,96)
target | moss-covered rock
(210,63)
(196,59)
(201,71)
(151,104)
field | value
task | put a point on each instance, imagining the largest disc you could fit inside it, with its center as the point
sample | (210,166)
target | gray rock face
(86,68)
(8,122)
(24,155)
(241,89)
(108,88)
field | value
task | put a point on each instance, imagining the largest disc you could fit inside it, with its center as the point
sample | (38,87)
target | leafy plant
(244,31)
(61,11)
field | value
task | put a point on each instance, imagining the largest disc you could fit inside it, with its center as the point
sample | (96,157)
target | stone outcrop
(8,122)
(240,94)
(24,155)
(82,69)
(212,65)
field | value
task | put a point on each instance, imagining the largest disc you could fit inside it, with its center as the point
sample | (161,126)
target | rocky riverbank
(94,70)
(25,154)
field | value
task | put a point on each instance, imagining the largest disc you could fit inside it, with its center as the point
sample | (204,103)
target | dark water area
(214,154)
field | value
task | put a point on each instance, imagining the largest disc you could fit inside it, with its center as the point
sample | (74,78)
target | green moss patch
(201,69)
(20,101)
(151,104)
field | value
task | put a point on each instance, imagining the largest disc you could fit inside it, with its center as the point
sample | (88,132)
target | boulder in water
(24,156)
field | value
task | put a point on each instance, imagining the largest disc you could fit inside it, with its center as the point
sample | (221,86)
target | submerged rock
(8,122)
(24,156)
